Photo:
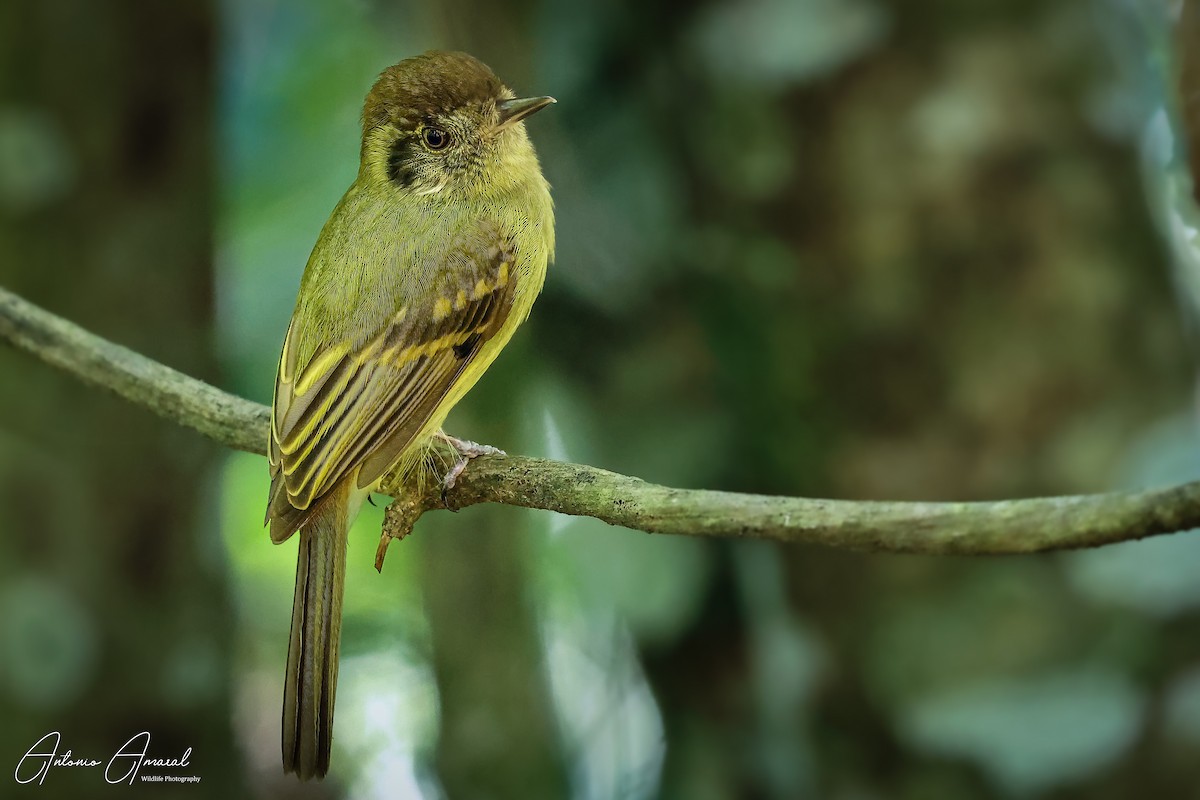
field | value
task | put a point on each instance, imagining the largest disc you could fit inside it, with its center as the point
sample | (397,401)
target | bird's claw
(466,450)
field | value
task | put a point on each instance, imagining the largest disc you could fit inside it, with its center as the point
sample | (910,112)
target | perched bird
(427,266)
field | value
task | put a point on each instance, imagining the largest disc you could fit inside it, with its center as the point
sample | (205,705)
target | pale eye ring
(435,138)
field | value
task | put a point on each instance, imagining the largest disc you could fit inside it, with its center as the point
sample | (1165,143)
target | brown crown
(429,85)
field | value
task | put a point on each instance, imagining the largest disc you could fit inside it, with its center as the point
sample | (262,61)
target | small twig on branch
(988,528)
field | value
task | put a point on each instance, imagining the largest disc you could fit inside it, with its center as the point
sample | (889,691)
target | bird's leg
(466,451)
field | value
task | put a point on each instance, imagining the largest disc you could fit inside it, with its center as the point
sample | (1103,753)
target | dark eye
(436,138)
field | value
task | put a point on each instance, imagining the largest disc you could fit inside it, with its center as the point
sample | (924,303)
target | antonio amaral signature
(123,766)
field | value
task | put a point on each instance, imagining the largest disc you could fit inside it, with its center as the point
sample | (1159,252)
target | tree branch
(1002,527)
(220,416)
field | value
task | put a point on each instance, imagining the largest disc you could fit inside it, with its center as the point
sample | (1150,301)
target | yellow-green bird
(427,266)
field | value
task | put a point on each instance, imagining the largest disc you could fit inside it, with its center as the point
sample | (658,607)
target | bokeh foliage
(867,249)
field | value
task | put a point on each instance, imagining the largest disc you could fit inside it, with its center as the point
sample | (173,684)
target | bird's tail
(310,684)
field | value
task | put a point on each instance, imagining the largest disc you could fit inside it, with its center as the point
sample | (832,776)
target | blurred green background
(917,249)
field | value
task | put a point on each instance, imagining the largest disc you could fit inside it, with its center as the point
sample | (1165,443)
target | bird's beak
(517,109)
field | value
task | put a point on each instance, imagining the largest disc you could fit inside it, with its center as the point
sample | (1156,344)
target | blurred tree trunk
(1189,85)
(113,612)
(498,737)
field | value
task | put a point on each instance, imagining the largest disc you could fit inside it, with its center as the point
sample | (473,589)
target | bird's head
(443,124)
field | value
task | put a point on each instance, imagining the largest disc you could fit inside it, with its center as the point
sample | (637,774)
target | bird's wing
(350,406)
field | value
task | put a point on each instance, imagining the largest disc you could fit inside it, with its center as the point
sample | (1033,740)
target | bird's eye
(436,138)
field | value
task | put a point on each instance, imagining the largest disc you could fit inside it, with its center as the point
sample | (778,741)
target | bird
(426,267)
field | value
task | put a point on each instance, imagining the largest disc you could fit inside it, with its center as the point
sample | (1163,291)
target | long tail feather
(310,684)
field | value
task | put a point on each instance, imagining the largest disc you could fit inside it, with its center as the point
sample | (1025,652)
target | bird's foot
(466,450)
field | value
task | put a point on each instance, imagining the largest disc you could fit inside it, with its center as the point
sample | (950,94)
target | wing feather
(348,409)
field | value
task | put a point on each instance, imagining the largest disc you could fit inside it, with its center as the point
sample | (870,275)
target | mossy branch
(987,528)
